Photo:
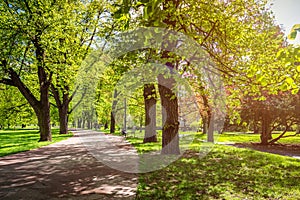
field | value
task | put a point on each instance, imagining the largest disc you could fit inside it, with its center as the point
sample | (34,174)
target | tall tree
(49,39)
(23,50)
(86,23)
(239,36)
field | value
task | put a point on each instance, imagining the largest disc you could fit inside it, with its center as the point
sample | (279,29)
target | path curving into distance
(69,170)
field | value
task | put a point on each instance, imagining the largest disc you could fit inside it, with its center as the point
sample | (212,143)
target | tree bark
(63,120)
(150,113)
(83,122)
(210,133)
(112,113)
(298,129)
(79,122)
(266,134)
(63,107)
(44,125)
(255,124)
(41,107)
(112,123)
(169,101)
(205,125)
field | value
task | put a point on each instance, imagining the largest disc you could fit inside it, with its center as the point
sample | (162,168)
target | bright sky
(287,13)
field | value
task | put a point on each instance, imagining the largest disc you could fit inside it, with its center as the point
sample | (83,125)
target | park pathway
(69,170)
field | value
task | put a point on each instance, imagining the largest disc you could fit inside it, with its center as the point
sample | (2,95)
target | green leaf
(293,33)
(290,81)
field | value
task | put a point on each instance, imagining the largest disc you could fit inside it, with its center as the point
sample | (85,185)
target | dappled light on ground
(62,170)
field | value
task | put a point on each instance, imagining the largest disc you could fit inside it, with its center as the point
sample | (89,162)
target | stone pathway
(69,169)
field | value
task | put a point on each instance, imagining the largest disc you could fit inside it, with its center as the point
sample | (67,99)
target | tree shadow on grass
(225,173)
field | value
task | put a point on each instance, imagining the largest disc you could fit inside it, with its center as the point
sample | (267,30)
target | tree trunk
(79,123)
(210,133)
(169,101)
(205,125)
(112,123)
(266,134)
(41,107)
(298,129)
(83,122)
(63,120)
(44,126)
(255,127)
(255,124)
(62,106)
(88,124)
(112,113)
(43,114)
(150,113)
(105,125)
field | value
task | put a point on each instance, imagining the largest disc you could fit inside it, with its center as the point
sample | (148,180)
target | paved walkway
(68,170)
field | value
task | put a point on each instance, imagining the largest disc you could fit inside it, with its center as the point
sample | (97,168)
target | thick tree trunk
(63,107)
(63,119)
(41,107)
(112,123)
(43,114)
(169,101)
(44,126)
(266,134)
(150,113)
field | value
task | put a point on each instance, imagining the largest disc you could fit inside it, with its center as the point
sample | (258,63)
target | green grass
(137,139)
(14,141)
(224,173)
(246,137)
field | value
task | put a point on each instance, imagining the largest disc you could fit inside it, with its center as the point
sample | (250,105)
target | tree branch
(7,82)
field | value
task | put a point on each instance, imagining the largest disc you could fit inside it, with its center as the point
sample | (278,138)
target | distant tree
(276,112)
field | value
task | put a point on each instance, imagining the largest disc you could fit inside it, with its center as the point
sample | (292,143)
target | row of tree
(45,42)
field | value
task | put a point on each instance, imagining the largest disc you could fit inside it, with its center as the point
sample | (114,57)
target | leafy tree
(240,36)
(47,39)
(86,24)
(24,30)
(275,112)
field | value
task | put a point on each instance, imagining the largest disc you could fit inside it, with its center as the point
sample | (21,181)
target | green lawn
(245,137)
(14,141)
(224,173)
(197,138)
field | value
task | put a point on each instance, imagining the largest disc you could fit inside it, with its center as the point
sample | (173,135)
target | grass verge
(224,173)
(23,140)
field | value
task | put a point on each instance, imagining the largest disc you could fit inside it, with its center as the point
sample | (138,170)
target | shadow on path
(64,170)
